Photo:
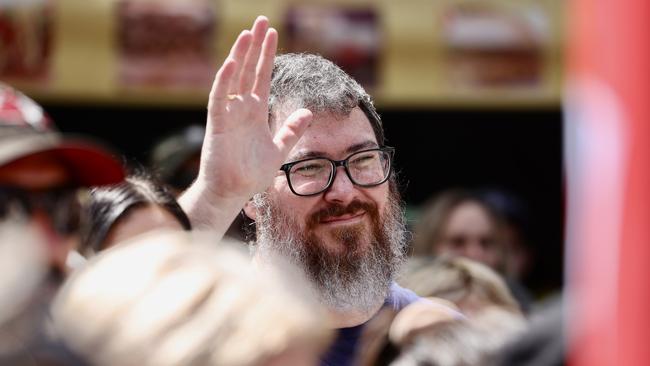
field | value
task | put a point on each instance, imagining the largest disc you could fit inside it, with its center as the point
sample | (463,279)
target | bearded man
(303,139)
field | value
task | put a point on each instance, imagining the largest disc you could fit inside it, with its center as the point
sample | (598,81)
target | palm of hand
(241,156)
(240,152)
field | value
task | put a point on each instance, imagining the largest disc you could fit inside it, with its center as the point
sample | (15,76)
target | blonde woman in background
(461,223)
(470,285)
(422,334)
(479,341)
(493,317)
(457,222)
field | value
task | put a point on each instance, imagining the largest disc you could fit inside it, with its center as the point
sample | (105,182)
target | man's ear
(250,210)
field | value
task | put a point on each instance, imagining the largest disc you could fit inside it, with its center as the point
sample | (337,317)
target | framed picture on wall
(166,44)
(348,36)
(496,46)
(26,39)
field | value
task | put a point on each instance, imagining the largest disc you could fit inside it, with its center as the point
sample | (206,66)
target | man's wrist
(207,209)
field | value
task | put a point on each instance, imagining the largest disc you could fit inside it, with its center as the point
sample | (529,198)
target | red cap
(25,131)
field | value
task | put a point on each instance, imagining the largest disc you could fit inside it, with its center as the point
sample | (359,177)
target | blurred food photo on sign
(166,43)
(25,39)
(349,37)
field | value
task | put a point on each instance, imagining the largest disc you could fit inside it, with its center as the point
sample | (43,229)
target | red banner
(608,174)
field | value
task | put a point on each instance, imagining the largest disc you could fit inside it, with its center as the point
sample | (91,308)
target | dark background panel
(516,150)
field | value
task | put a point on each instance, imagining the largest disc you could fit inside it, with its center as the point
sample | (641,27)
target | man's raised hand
(241,154)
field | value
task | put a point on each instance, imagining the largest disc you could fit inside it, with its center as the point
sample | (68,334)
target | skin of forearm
(208,211)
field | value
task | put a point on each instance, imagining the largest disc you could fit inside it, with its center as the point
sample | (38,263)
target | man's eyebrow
(369,144)
(307,155)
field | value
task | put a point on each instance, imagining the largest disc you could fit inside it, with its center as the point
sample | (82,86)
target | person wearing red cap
(40,170)
(42,176)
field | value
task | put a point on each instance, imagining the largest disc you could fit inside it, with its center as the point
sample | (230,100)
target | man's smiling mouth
(343,219)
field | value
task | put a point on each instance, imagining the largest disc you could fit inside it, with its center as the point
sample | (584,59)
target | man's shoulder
(399,297)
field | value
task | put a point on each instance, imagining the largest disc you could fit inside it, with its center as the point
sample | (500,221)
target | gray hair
(313,82)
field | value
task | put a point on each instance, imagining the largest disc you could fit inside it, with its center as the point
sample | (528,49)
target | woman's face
(140,220)
(470,232)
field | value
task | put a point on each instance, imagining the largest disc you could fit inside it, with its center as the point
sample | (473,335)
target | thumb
(291,131)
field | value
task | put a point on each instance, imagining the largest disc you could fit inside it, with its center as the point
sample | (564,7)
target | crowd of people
(274,235)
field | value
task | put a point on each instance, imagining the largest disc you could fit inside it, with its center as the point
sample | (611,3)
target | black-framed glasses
(62,205)
(366,168)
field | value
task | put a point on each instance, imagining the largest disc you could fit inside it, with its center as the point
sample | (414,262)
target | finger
(291,131)
(221,86)
(265,65)
(250,63)
(238,54)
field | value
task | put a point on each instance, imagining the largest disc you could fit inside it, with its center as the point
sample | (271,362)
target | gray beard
(356,280)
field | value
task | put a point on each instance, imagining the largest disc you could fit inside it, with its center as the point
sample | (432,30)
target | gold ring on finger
(232,96)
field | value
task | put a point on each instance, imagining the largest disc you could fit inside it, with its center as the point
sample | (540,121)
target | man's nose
(342,189)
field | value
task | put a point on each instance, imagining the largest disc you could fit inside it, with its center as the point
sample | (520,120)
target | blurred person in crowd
(475,341)
(171,298)
(112,214)
(470,285)
(42,175)
(422,334)
(298,144)
(449,343)
(492,312)
(460,222)
(41,172)
(175,158)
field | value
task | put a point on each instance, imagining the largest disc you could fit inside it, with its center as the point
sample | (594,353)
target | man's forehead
(329,135)
(282,112)
(304,153)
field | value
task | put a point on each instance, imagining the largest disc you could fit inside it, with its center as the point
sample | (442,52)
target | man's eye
(309,169)
(363,160)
